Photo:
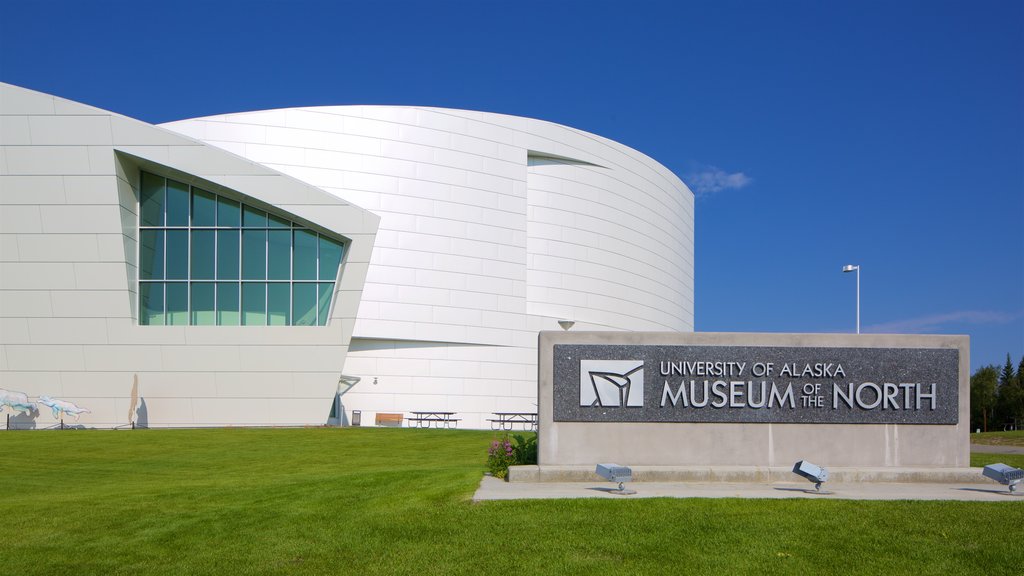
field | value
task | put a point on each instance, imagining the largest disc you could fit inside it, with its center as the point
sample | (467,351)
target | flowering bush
(503,453)
(500,456)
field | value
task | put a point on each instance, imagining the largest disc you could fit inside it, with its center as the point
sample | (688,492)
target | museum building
(247,269)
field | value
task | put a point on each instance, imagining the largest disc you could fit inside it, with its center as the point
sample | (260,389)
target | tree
(1007,376)
(983,396)
(1010,401)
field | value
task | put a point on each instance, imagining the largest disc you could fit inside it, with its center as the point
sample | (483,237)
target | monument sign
(753,399)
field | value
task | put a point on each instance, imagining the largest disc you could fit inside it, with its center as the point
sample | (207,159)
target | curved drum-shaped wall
(492,227)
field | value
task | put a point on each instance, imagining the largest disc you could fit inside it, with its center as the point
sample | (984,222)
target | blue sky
(815,134)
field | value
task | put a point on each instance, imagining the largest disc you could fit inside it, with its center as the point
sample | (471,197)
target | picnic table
(439,419)
(505,420)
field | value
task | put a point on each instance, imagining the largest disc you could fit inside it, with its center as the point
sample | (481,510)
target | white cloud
(934,322)
(711,180)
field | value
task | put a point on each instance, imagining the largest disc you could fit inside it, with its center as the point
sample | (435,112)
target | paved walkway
(991,449)
(983,491)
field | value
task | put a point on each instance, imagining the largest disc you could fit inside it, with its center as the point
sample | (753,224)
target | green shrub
(504,453)
(500,456)
(525,449)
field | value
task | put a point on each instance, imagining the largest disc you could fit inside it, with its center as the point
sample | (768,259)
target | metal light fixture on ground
(616,473)
(1004,474)
(812,472)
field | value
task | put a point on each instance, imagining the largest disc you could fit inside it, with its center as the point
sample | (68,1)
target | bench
(387,419)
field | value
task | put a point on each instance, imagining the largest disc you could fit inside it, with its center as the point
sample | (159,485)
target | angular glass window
(205,259)
(279,254)
(325,292)
(203,313)
(330,258)
(177,203)
(304,256)
(254,254)
(204,254)
(177,303)
(177,255)
(278,222)
(151,199)
(253,218)
(151,255)
(227,254)
(254,304)
(204,208)
(229,213)
(227,304)
(151,297)
(278,308)
(304,305)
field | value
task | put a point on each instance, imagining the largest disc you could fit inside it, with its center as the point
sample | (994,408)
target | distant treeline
(997,397)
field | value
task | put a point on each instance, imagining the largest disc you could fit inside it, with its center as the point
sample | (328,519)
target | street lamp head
(850,268)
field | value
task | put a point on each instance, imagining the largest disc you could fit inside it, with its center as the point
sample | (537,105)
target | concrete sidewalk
(983,491)
(997,449)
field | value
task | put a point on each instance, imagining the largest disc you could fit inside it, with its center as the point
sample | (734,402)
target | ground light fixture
(812,472)
(616,473)
(855,268)
(1004,474)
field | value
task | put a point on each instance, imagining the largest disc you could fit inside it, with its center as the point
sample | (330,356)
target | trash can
(357,417)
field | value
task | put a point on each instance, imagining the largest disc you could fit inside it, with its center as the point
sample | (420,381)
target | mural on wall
(61,407)
(16,401)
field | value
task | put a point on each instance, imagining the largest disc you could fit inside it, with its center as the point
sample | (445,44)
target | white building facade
(458,236)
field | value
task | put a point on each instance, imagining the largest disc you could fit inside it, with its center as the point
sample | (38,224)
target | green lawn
(1015,438)
(381,501)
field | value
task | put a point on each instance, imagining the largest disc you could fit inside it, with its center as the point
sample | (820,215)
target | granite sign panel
(751,384)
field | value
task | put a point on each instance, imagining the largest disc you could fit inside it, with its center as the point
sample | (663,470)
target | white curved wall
(492,227)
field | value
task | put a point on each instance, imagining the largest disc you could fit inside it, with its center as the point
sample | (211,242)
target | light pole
(851,268)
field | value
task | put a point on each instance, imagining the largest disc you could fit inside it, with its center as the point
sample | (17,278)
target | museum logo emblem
(612,383)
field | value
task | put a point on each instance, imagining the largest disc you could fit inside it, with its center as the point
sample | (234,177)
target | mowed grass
(1014,438)
(381,501)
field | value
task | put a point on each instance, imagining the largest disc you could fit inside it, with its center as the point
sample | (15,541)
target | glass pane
(323,304)
(305,304)
(203,254)
(253,218)
(330,258)
(151,255)
(279,256)
(229,212)
(177,203)
(304,262)
(177,254)
(152,200)
(278,303)
(254,254)
(204,208)
(202,304)
(227,303)
(278,222)
(254,304)
(151,303)
(177,303)
(227,254)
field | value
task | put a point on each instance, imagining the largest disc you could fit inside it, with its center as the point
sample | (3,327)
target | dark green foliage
(984,386)
(397,501)
(1010,402)
(525,448)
